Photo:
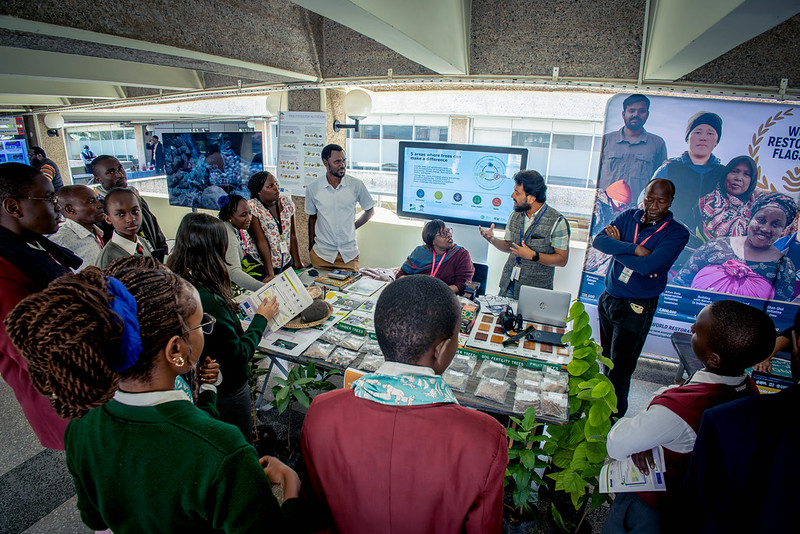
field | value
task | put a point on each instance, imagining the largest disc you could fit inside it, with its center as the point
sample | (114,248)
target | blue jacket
(665,246)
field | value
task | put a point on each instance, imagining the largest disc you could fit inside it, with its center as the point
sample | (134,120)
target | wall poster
(301,136)
(737,195)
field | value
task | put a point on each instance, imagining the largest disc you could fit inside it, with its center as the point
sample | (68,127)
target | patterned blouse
(274,234)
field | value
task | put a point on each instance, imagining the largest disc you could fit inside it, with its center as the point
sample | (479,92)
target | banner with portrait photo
(736,169)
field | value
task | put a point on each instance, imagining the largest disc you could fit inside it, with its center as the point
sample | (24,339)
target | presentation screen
(201,167)
(13,149)
(467,184)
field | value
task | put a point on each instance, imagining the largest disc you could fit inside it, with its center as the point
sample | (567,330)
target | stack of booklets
(335,282)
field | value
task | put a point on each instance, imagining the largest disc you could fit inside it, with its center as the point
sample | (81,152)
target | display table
(524,374)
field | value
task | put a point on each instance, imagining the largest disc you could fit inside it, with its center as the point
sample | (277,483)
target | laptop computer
(545,306)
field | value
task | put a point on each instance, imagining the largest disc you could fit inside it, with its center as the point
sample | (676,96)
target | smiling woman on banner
(747,265)
(726,210)
(440,257)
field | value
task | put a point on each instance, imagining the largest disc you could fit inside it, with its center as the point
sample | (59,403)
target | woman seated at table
(726,210)
(234,211)
(747,265)
(199,257)
(440,258)
(272,228)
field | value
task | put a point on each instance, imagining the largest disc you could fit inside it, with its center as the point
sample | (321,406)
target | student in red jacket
(397,453)
(728,337)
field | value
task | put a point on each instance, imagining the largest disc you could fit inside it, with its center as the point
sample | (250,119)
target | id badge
(625,275)
(284,248)
(515,272)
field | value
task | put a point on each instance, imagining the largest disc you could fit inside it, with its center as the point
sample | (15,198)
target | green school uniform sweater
(228,344)
(167,468)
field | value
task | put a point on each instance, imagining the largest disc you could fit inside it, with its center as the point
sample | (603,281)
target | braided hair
(71,338)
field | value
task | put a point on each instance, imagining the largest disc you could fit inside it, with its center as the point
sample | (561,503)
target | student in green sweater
(199,256)
(142,456)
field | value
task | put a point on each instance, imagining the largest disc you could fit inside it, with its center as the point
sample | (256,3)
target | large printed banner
(736,168)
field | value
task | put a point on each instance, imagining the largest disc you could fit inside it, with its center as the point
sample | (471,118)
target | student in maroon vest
(728,337)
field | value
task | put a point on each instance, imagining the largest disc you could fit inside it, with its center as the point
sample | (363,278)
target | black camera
(509,321)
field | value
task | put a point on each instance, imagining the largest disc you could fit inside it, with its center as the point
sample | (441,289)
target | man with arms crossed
(645,244)
(331,209)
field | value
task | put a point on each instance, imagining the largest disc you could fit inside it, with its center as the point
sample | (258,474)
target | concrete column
(141,141)
(459,130)
(54,147)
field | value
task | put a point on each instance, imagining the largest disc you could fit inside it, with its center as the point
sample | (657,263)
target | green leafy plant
(302,380)
(523,460)
(578,449)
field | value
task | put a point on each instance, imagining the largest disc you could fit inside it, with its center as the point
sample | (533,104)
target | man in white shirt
(331,209)
(82,209)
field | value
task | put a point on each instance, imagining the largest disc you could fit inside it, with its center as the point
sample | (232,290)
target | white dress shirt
(336,212)
(79,240)
(658,425)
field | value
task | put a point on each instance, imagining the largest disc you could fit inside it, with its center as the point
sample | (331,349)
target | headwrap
(704,117)
(776,200)
(753,174)
(124,305)
(619,191)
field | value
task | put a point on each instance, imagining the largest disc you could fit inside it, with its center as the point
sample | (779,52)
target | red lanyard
(636,233)
(434,271)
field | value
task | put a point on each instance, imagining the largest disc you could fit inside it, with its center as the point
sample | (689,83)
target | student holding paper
(728,337)
(199,256)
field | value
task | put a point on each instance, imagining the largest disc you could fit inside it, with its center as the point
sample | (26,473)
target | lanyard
(435,270)
(636,233)
(530,230)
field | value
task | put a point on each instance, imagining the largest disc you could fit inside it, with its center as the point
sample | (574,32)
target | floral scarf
(723,214)
(404,390)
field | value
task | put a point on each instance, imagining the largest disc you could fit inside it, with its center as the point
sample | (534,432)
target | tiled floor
(36,493)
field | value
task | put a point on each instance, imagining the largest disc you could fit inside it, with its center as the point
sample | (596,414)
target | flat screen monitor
(201,167)
(13,149)
(466,184)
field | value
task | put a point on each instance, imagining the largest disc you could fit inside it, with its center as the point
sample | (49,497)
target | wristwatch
(536,257)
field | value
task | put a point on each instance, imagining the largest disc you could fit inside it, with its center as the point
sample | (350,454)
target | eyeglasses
(445,232)
(207,324)
(53,199)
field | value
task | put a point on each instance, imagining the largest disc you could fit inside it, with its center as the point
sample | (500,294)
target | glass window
(430,133)
(491,137)
(105,135)
(569,160)
(397,132)
(130,134)
(538,144)
(366,131)
(117,134)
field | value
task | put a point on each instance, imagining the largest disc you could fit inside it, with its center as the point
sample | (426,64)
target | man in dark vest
(537,236)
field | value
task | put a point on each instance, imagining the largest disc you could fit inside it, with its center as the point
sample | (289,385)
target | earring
(179,361)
